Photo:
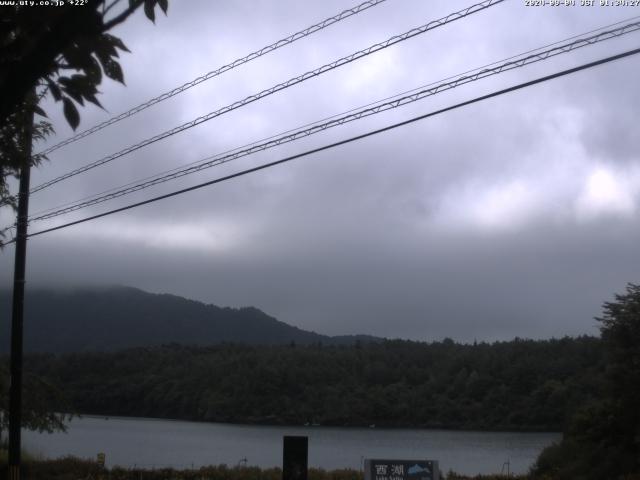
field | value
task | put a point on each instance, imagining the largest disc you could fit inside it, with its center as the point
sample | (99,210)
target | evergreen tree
(603,438)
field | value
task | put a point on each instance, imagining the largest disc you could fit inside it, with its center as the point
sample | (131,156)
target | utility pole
(17,309)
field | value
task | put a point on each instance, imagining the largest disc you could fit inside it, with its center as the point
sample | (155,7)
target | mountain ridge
(112,318)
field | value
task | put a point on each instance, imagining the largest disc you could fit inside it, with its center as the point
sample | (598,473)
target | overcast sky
(517,216)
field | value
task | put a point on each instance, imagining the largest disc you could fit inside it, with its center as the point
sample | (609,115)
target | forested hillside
(517,385)
(107,319)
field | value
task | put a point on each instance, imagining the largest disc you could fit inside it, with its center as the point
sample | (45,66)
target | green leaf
(40,111)
(73,55)
(54,89)
(148,10)
(113,70)
(116,42)
(81,87)
(93,71)
(104,48)
(71,87)
(92,98)
(64,81)
(78,55)
(83,83)
(71,113)
(164,5)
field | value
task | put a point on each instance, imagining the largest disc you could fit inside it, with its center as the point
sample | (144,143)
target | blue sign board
(375,469)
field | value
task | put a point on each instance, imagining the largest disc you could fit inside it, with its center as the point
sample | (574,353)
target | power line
(346,141)
(295,135)
(214,73)
(161,174)
(281,86)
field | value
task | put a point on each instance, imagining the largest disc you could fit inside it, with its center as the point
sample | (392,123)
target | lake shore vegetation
(75,468)
(521,385)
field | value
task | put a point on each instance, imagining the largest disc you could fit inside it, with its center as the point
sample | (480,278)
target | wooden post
(17,309)
(294,458)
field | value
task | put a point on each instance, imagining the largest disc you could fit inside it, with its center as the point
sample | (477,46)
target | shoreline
(318,426)
(155,443)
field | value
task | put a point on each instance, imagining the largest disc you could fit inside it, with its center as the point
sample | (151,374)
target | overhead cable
(214,73)
(281,86)
(346,141)
(381,107)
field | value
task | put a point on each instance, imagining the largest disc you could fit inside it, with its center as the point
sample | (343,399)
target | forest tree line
(516,385)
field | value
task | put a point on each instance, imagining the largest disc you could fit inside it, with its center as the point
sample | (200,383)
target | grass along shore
(73,468)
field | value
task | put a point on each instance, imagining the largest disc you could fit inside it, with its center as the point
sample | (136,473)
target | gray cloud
(513,217)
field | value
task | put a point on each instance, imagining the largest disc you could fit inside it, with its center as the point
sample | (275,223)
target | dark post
(17,309)
(294,458)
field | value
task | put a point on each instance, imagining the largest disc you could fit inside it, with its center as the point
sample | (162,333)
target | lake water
(152,443)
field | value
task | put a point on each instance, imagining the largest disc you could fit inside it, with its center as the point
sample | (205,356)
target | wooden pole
(17,309)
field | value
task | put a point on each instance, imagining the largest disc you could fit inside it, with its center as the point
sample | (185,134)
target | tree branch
(106,8)
(123,16)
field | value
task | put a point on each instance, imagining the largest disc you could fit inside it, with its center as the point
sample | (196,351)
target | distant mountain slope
(104,319)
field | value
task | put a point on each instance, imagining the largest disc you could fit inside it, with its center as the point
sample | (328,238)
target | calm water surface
(153,443)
